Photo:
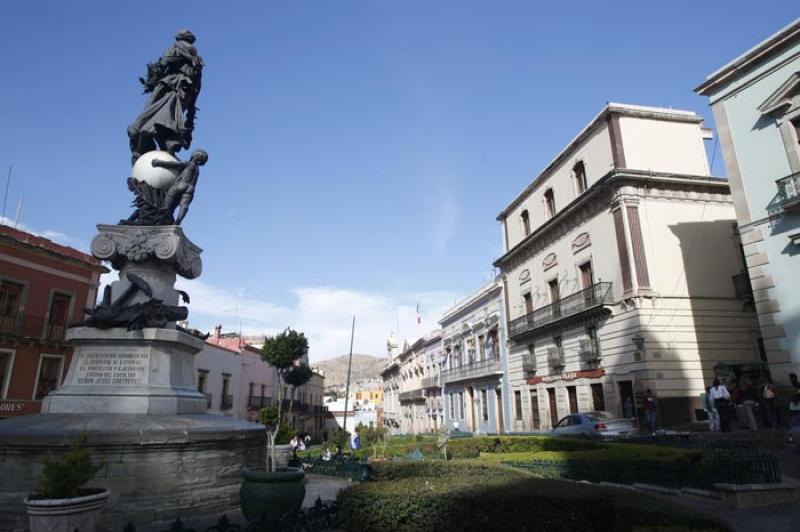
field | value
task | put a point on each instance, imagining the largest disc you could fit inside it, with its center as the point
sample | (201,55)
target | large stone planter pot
(66,515)
(275,494)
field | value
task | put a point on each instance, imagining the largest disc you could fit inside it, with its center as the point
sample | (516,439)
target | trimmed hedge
(437,496)
(612,452)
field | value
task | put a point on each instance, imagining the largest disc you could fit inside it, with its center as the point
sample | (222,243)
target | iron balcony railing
(432,382)
(29,326)
(474,370)
(413,395)
(529,363)
(555,357)
(741,283)
(789,191)
(256,401)
(589,353)
(226,403)
(596,295)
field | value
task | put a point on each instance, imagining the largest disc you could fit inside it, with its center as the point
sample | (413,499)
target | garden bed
(469,495)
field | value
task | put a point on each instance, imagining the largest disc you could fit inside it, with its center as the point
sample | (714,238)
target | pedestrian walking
(768,409)
(721,399)
(711,411)
(650,411)
(749,403)
(794,402)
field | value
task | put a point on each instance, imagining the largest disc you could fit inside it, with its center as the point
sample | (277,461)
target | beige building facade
(618,273)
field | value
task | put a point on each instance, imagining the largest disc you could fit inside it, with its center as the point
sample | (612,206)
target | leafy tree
(285,352)
(376,437)
(297,376)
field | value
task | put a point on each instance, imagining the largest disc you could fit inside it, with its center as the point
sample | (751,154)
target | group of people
(750,403)
(299,443)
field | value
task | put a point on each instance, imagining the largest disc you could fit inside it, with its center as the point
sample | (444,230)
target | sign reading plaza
(112,369)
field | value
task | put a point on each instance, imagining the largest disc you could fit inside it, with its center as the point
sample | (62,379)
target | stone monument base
(158,467)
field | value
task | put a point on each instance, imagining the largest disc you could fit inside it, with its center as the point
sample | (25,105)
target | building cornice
(616,109)
(593,199)
(468,303)
(753,57)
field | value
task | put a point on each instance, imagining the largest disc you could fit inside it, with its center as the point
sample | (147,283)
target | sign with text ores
(117,369)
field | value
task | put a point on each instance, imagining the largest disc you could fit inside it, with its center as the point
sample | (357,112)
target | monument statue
(168,118)
(131,380)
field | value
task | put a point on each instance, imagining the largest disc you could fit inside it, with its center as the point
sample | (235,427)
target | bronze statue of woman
(174,84)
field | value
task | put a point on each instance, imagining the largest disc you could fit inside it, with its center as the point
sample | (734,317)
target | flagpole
(349,367)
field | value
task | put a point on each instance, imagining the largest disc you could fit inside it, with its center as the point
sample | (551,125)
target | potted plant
(61,502)
(276,490)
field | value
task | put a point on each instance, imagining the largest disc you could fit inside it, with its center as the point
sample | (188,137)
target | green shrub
(473,447)
(461,495)
(66,477)
(607,452)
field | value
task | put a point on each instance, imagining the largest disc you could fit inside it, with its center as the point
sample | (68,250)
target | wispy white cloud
(51,234)
(323,313)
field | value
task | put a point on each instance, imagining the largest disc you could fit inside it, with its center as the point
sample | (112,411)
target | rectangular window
(526,223)
(10,301)
(481,348)
(528,302)
(484,405)
(579,171)
(226,402)
(549,203)
(202,377)
(460,405)
(552,289)
(452,406)
(518,404)
(5,372)
(551,396)
(50,367)
(57,317)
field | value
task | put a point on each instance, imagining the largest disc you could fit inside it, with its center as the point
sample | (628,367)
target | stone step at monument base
(158,467)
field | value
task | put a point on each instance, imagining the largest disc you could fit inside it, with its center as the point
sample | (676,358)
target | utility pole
(5,197)
(349,367)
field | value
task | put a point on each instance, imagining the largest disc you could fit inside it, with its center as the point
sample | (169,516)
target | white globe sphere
(156,177)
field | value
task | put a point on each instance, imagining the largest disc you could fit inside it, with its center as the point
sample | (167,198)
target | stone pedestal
(158,467)
(114,371)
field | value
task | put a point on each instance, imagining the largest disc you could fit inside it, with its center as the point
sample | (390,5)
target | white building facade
(475,391)
(618,274)
(218,375)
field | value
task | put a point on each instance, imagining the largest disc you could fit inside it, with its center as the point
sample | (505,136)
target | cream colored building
(618,272)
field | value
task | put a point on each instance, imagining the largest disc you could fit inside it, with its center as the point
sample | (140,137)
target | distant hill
(365,367)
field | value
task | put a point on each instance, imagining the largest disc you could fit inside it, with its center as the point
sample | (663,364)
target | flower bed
(468,495)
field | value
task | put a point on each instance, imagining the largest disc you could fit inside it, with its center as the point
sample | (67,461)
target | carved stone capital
(121,244)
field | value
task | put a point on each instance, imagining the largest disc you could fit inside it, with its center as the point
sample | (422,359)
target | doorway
(627,401)
(499,400)
(598,398)
(572,395)
(551,395)
(535,420)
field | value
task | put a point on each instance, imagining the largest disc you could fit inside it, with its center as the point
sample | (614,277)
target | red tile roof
(45,244)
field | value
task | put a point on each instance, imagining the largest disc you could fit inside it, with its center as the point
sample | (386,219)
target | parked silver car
(597,424)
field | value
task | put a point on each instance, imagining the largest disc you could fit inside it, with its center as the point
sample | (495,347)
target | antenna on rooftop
(19,211)
(5,197)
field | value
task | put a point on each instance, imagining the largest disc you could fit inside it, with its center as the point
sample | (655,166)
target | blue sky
(359,151)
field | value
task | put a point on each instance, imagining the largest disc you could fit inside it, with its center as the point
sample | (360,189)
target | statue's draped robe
(164,119)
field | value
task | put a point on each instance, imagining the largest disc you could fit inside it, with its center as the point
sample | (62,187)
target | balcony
(573,306)
(434,404)
(226,403)
(529,363)
(471,371)
(555,357)
(744,290)
(789,192)
(431,382)
(412,396)
(31,326)
(256,402)
(589,353)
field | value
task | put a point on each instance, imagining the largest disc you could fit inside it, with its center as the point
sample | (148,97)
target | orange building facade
(44,287)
